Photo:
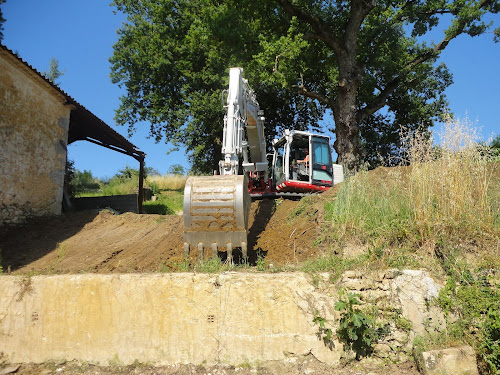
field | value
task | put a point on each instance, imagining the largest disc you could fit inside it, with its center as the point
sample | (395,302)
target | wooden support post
(140,197)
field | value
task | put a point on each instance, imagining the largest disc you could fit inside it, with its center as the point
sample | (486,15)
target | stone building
(37,122)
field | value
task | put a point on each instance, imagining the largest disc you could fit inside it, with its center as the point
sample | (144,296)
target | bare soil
(299,366)
(105,242)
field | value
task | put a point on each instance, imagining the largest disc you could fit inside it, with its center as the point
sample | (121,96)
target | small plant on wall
(324,333)
(356,330)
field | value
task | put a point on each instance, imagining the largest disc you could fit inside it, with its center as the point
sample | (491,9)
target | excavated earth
(106,242)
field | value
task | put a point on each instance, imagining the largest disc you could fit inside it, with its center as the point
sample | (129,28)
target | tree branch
(314,95)
(316,23)
(381,100)
(359,11)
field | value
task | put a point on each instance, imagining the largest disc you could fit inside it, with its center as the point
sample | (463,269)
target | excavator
(216,208)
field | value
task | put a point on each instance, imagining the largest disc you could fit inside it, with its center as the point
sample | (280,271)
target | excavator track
(216,210)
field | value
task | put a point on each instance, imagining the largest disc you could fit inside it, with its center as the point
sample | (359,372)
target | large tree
(2,20)
(173,57)
(362,61)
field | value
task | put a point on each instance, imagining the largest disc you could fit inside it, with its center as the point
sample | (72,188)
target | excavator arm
(216,208)
(243,115)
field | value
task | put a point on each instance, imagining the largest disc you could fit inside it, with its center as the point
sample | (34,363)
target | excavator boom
(216,208)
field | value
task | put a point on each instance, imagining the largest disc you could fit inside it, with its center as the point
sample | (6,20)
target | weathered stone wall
(197,318)
(33,135)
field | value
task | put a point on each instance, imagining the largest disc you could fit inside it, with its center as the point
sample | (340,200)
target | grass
(167,203)
(167,182)
(120,185)
(446,195)
(168,190)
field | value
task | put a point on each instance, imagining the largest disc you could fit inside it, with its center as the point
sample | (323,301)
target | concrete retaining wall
(120,203)
(159,319)
(163,319)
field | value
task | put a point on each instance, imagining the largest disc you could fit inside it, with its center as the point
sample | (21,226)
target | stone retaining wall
(160,319)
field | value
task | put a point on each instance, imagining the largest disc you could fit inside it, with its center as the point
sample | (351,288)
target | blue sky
(81,34)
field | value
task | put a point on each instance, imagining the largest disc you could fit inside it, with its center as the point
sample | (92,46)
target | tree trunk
(347,143)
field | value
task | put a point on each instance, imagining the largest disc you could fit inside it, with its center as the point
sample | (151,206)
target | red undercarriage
(260,187)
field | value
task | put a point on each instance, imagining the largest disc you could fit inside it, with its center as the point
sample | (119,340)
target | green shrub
(475,301)
(158,208)
(491,343)
(356,330)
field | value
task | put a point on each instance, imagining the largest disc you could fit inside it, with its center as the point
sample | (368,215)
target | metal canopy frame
(85,126)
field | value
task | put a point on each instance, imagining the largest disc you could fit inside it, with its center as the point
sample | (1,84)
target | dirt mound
(282,231)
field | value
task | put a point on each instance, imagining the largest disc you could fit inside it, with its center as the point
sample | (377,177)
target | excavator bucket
(216,210)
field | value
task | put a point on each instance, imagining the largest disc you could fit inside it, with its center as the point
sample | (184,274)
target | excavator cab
(302,162)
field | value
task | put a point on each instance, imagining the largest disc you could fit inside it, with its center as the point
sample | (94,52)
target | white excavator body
(216,208)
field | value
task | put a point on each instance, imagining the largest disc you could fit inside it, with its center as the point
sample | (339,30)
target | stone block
(451,361)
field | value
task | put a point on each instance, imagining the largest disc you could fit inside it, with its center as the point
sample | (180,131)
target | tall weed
(450,186)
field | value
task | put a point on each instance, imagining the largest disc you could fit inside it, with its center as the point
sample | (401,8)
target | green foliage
(324,333)
(69,175)
(127,173)
(176,169)
(167,203)
(212,265)
(495,143)
(403,324)
(302,58)
(157,207)
(81,182)
(261,264)
(173,59)
(475,300)
(335,264)
(54,73)
(356,330)
(495,148)
(491,343)
(2,20)
(126,181)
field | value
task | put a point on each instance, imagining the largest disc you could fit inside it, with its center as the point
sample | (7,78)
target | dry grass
(450,187)
(447,196)
(167,182)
